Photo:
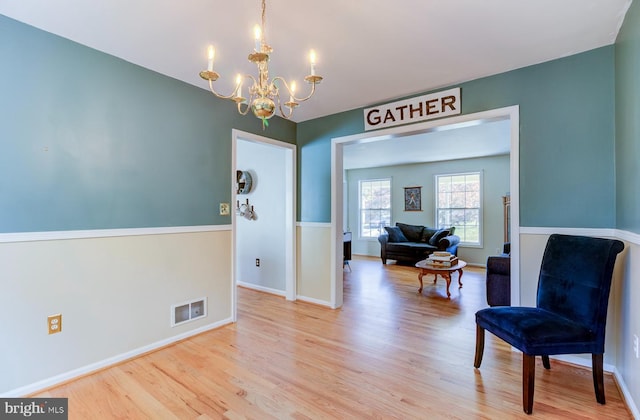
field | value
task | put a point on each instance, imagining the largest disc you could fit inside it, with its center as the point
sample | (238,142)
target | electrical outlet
(54,323)
(636,350)
(257,262)
(224,209)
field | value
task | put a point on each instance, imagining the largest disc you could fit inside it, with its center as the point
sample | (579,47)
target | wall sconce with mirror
(244,182)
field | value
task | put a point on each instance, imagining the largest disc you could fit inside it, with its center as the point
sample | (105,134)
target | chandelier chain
(264,8)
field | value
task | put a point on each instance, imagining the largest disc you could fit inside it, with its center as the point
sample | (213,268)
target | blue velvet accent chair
(570,313)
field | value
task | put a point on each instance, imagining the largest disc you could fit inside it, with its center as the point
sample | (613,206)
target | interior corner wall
(627,312)
(627,89)
(495,177)
(627,122)
(264,237)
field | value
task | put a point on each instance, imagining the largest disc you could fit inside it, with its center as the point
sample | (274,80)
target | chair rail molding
(106,233)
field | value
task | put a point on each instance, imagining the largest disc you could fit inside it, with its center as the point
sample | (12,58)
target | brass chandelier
(263,93)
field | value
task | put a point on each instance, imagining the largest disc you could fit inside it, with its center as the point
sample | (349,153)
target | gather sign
(420,108)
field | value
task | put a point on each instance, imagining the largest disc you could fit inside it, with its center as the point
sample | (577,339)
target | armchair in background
(499,278)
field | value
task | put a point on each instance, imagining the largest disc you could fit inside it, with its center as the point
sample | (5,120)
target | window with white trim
(459,204)
(375,206)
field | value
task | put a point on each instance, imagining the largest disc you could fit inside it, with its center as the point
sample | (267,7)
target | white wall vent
(188,311)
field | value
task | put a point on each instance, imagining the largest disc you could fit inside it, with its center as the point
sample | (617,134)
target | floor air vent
(188,311)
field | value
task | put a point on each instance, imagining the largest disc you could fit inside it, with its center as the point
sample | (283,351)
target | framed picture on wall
(412,199)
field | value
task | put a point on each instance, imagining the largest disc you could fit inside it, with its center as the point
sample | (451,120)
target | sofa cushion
(412,232)
(409,248)
(395,234)
(427,233)
(435,238)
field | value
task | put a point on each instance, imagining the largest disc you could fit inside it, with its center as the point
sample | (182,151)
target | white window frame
(360,209)
(478,244)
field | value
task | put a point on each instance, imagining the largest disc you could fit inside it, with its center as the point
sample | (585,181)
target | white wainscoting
(114,291)
(314,263)
(623,318)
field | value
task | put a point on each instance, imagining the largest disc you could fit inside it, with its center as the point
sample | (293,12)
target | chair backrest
(575,279)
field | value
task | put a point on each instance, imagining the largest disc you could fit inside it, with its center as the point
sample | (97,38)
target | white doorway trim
(511,113)
(289,208)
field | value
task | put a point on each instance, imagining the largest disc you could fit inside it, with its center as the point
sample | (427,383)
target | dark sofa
(412,243)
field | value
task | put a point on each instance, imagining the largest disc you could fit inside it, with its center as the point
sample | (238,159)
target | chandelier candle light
(263,93)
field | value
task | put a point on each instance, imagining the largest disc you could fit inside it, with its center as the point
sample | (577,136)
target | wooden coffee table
(445,272)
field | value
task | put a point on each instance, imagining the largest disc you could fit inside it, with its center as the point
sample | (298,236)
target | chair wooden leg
(528,381)
(545,361)
(479,346)
(598,376)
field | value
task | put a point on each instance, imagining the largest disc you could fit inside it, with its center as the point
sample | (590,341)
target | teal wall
(628,122)
(566,141)
(314,162)
(89,141)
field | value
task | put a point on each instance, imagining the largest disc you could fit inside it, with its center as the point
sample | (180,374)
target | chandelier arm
(231,96)
(291,95)
(313,90)
(288,104)
(246,102)
(246,109)
(284,115)
(284,82)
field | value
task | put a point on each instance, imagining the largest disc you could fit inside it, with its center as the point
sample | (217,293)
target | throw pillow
(437,236)
(427,233)
(412,232)
(395,234)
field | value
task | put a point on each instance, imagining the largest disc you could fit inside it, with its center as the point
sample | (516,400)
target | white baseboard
(261,288)
(282,293)
(626,395)
(93,367)
(315,301)
(579,361)
(628,399)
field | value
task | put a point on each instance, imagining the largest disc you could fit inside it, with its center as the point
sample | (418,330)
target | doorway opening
(338,144)
(263,216)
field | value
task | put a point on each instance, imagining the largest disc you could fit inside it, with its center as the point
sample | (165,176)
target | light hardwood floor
(388,353)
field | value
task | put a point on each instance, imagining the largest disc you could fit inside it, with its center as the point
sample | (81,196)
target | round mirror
(243,182)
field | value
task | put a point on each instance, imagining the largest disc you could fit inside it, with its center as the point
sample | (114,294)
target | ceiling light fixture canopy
(263,93)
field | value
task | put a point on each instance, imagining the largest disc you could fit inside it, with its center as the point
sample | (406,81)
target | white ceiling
(460,141)
(369,51)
